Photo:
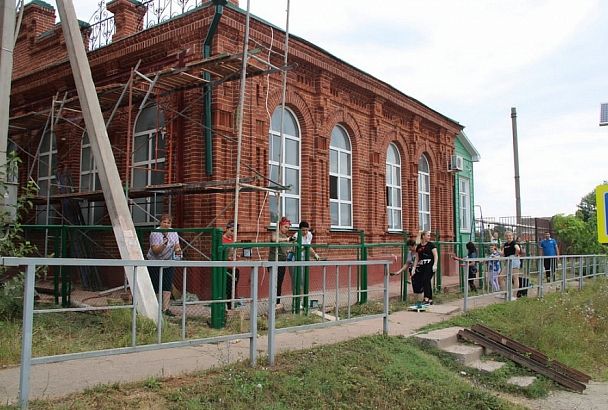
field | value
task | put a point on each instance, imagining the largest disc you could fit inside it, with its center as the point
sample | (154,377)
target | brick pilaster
(128,17)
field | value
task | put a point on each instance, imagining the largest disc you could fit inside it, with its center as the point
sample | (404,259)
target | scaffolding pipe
(282,135)
(240,110)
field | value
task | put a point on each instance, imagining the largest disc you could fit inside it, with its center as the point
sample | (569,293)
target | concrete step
(522,381)
(465,354)
(487,366)
(440,338)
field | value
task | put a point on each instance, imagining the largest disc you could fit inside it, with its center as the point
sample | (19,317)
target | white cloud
(472,60)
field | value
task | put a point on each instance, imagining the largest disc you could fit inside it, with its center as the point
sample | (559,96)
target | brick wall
(322,92)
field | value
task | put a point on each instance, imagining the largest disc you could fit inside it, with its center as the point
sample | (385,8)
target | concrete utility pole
(116,202)
(7,22)
(516,165)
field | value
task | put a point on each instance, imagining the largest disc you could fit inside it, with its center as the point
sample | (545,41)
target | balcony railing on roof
(157,12)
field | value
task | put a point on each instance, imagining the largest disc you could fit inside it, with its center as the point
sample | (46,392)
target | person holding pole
(233,273)
(280,253)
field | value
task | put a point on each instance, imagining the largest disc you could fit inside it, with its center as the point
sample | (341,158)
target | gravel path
(595,397)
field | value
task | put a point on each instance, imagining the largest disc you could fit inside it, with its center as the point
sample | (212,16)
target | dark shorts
(167,277)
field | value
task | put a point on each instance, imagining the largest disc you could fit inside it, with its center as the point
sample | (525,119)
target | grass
(571,327)
(370,372)
(377,371)
(71,332)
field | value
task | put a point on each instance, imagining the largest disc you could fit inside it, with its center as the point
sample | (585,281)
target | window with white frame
(89,181)
(148,161)
(393,188)
(340,179)
(287,158)
(424,194)
(465,204)
(47,179)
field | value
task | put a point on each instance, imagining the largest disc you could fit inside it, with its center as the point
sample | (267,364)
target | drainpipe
(208,88)
(217,284)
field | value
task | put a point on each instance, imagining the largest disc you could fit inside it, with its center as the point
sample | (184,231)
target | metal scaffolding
(150,88)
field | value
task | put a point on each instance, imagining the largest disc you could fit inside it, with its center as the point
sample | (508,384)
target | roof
(468,146)
(312,45)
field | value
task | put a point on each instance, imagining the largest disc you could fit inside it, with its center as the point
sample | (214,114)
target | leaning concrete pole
(116,202)
(7,24)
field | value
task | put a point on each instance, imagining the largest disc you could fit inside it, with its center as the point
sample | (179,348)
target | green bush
(13,243)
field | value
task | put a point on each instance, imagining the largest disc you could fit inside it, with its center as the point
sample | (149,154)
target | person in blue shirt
(548,247)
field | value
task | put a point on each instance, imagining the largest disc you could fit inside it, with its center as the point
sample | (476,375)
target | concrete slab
(522,381)
(443,309)
(487,366)
(440,338)
(465,354)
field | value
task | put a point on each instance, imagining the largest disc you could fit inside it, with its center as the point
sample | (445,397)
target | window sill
(344,230)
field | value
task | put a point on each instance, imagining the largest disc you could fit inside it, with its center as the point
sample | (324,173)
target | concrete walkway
(60,379)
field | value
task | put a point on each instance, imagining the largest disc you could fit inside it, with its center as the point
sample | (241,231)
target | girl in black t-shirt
(425,264)
(512,250)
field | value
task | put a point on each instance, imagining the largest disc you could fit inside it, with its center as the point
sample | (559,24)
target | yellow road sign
(601,201)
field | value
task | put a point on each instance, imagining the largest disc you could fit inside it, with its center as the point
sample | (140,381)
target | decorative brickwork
(322,91)
(128,17)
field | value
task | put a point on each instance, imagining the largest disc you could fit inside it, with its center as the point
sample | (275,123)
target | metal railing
(519,276)
(103,25)
(334,276)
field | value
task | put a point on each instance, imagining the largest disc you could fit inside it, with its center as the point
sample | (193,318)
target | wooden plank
(118,208)
(525,361)
(534,354)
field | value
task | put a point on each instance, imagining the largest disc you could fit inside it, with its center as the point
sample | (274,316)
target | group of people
(510,249)
(421,261)
(284,253)
(165,245)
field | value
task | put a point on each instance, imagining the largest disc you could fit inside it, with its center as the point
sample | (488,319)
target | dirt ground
(595,397)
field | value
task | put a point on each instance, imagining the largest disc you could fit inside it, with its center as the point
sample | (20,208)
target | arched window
(89,181)
(288,162)
(47,178)
(393,188)
(340,179)
(148,161)
(424,194)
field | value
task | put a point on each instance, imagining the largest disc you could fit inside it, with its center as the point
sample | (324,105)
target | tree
(578,233)
(587,208)
(576,237)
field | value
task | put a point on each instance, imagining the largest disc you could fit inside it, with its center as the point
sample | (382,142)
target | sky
(472,60)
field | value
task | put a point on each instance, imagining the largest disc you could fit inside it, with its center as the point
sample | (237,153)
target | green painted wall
(467,173)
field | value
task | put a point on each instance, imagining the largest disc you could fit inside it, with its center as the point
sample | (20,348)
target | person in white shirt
(164,246)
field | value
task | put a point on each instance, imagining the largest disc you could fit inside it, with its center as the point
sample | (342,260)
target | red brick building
(344,129)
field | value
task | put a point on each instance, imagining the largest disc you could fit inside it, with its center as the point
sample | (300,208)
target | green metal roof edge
(41,4)
(240,10)
(81,24)
(135,2)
